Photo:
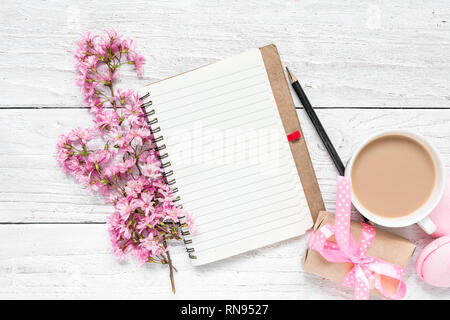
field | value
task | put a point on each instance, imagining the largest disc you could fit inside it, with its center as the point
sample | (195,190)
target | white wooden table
(366,66)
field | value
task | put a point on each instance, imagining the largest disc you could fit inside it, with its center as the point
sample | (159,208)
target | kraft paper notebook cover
(221,134)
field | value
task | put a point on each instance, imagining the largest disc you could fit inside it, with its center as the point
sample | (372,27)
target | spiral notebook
(223,145)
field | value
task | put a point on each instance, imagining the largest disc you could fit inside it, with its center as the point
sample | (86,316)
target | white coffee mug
(419,216)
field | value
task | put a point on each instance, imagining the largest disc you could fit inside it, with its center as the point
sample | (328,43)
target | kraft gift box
(385,246)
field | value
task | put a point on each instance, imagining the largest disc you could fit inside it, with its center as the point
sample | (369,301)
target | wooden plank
(32,179)
(34,189)
(352,54)
(73,261)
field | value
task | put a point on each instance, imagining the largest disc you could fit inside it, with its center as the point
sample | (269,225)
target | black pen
(316,122)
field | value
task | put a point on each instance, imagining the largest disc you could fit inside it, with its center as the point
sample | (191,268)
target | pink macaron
(433,263)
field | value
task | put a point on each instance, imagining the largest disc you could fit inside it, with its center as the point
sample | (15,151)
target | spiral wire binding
(152,121)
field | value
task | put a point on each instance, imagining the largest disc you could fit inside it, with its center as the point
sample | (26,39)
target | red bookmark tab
(294,136)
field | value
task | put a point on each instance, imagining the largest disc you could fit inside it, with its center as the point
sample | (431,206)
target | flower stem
(171,268)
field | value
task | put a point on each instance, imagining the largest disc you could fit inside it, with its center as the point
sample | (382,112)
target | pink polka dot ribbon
(366,271)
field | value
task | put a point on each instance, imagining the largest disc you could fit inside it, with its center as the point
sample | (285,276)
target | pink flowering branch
(116,157)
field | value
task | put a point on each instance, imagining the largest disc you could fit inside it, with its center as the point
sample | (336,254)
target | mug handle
(427,225)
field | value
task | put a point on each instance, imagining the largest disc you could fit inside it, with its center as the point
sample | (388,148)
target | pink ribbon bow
(366,271)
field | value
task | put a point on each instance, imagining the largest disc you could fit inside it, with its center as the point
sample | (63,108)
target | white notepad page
(230,157)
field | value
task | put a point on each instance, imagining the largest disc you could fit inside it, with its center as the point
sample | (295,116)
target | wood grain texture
(35,190)
(71,256)
(366,65)
(347,54)
(73,261)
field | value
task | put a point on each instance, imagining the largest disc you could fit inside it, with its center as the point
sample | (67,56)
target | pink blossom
(99,156)
(96,104)
(114,36)
(125,167)
(189,220)
(138,60)
(139,134)
(107,119)
(150,244)
(134,113)
(81,134)
(128,44)
(119,138)
(111,171)
(123,97)
(124,231)
(107,76)
(151,170)
(124,206)
(145,203)
(134,187)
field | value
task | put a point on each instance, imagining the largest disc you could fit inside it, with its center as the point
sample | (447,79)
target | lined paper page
(230,157)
